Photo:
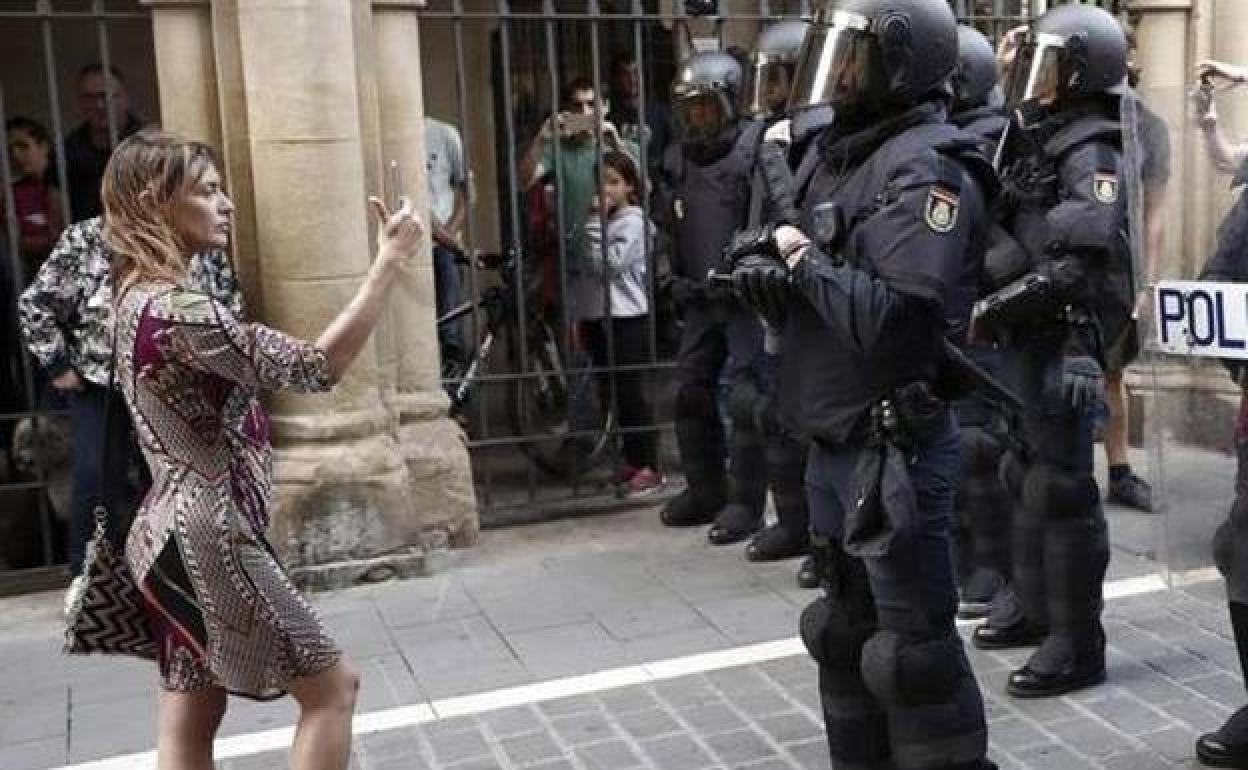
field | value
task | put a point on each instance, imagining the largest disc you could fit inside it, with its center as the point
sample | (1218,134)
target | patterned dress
(222,610)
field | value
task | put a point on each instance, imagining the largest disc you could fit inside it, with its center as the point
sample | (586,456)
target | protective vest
(828,385)
(709,202)
(1052,221)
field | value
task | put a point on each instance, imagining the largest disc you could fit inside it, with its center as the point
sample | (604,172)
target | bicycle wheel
(556,408)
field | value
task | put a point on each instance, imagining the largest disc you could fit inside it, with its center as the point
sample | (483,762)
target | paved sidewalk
(576,597)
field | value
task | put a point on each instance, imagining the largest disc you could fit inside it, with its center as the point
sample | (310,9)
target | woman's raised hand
(399,234)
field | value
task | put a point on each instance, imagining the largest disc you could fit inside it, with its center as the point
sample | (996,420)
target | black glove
(680,290)
(1083,382)
(762,281)
(1064,274)
(749,242)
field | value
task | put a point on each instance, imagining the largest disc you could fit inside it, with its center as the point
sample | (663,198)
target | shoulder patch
(1105,186)
(941,210)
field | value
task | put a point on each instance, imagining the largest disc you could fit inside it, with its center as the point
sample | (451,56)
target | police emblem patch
(1105,186)
(941,211)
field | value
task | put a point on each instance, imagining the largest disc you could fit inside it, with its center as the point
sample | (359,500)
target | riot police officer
(1062,177)
(704,199)
(893,220)
(768,84)
(978,103)
(983,506)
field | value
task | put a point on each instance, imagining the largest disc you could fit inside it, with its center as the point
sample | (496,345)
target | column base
(439,469)
(340,501)
(411,562)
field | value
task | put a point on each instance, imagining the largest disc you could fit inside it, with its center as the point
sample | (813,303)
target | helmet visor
(701,112)
(1035,76)
(768,83)
(839,65)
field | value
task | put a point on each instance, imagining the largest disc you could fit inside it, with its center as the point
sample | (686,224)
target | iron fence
(47,46)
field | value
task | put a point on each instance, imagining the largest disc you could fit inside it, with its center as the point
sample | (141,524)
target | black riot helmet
(704,96)
(1071,52)
(975,79)
(769,77)
(875,56)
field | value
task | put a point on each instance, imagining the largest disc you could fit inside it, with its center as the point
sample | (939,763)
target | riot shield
(1184,399)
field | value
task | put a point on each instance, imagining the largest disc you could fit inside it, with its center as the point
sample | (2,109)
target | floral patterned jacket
(66,314)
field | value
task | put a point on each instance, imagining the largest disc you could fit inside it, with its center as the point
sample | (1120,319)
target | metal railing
(52,42)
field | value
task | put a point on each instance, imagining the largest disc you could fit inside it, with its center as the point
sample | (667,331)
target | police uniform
(1069,215)
(894,679)
(895,208)
(1228,746)
(1062,174)
(785,451)
(708,196)
(983,506)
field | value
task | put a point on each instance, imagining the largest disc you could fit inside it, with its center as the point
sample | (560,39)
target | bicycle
(545,398)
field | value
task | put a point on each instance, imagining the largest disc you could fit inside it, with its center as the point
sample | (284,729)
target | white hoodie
(623,270)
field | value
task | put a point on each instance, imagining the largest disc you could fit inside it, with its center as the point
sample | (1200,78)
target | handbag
(107,615)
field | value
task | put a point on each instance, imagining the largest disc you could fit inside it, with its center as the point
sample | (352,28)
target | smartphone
(393,186)
(572,123)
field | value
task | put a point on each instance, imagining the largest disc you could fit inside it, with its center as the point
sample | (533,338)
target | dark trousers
(903,596)
(448,294)
(1061,542)
(98,469)
(628,345)
(720,337)
(893,612)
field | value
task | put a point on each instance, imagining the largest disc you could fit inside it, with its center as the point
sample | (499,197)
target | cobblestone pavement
(615,594)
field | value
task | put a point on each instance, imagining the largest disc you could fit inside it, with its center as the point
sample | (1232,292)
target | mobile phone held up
(573,123)
(393,193)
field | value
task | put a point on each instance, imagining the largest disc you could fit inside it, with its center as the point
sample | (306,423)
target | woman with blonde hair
(223,615)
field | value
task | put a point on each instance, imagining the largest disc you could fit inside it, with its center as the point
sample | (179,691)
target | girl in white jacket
(614,305)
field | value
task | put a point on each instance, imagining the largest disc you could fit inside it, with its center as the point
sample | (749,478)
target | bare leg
(1125,487)
(326,703)
(1116,428)
(187,724)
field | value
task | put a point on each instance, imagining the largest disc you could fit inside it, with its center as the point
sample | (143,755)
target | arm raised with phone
(398,241)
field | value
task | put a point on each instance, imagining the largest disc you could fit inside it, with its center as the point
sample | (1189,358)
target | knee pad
(832,637)
(696,401)
(1059,493)
(903,670)
(981,451)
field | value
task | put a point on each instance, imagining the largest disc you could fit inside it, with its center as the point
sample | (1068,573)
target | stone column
(439,470)
(342,488)
(186,68)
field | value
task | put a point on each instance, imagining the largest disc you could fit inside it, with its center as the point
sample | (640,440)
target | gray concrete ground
(579,596)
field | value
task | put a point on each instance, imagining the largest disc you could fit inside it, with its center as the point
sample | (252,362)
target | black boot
(1064,662)
(1228,746)
(786,471)
(744,513)
(775,543)
(1007,625)
(734,523)
(684,511)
